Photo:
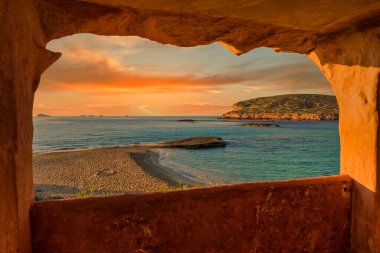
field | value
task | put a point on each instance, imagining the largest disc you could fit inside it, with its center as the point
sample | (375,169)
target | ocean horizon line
(122,116)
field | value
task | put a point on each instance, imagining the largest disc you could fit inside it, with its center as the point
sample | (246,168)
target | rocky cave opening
(341,38)
(130,72)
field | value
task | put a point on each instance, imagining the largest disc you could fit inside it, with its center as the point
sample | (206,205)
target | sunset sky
(134,76)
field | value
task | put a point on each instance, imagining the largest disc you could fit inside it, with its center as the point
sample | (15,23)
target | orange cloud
(100,66)
(198,109)
(100,73)
(112,77)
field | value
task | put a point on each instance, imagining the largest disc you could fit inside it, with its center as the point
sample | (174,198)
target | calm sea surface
(294,150)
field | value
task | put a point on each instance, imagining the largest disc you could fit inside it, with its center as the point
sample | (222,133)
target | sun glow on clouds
(134,76)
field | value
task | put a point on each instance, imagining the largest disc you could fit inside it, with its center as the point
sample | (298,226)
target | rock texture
(286,107)
(354,75)
(288,216)
(341,37)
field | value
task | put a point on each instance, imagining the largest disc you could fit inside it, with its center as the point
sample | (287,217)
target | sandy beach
(106,171)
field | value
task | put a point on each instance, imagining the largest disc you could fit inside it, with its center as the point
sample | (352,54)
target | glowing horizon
(117,76)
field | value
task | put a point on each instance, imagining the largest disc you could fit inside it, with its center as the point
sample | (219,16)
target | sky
(117,76)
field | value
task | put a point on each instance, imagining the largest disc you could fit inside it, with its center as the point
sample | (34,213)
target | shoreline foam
(150,162)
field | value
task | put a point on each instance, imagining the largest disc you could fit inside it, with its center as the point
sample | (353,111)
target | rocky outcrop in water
(286,107)
(187,120)
(42,115)
(260,125)
(191,143)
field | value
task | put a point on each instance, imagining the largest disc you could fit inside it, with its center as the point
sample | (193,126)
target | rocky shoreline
(279,116)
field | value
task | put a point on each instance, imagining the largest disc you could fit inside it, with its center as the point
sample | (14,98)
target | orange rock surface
(287,216)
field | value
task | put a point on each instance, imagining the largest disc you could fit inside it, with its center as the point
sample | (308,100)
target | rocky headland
(286,107)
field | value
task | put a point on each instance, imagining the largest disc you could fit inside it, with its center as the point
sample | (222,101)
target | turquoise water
(294,150)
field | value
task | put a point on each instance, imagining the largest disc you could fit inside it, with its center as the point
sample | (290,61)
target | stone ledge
(311,215)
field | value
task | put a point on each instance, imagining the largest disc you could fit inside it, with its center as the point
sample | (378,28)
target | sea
(296,149)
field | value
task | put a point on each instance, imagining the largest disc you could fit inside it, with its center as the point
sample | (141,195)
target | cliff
(286,107)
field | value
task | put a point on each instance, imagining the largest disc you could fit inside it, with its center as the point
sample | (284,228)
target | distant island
(43,115)
(286,107)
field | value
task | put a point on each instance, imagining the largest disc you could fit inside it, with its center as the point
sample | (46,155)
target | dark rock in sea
(42,115)
(192,143)
(260,125)
(186,120)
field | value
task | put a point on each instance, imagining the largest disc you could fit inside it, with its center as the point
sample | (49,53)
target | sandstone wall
(351,63)
(308,215)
